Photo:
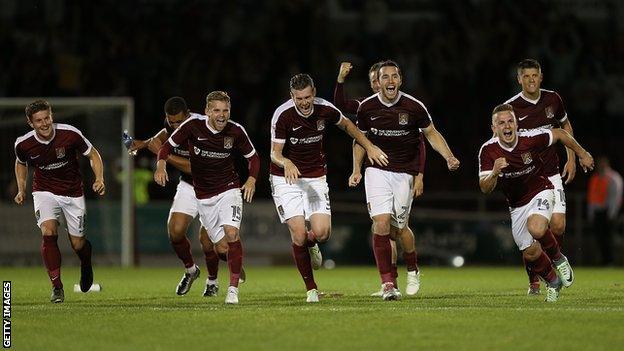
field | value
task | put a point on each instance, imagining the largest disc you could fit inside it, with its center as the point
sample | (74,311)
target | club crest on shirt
(60,152)
(526,158)
(320,124)
(197,150)
(550,113)
(403,118)
(228,142)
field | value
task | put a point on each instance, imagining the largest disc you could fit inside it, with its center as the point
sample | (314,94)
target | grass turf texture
(459,309)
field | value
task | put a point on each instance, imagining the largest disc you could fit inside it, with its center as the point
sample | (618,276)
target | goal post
(102,120)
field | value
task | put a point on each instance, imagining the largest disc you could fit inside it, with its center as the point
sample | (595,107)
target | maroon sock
(311,240)
(85,254)
(543,267)
(304,265)
(559,239)
(410,261)
(183,250)
(550,246)
(222,257)
(235,261)
(395,275)
(383,257)
(533,277)
(212,264)
(52,259)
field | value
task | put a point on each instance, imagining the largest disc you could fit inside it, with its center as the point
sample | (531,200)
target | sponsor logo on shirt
(310,140)
(210,154)
(228,142)
(389,132)
(403,118)
(60,152)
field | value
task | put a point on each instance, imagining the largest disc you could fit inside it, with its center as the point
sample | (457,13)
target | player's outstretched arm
(179,162)
(340,100)
(569,169)
(439,144)
(375,155)
(585,158)
(487,183)
(98,171)
(358,158)
(21,175)
(291,172)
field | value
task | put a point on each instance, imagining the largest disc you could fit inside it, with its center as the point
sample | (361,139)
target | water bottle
(127,140)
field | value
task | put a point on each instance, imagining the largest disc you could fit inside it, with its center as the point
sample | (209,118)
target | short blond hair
(217,95)
(502,108)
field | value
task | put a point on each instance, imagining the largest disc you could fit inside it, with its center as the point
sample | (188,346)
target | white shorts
(389,193)
(219,210)
(560,200)
(49,206)
(541,204)
(184,200)
(305,197)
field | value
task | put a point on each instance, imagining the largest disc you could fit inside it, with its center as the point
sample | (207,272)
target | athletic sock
(550,246)
(533,277)
(84,254)
(235,261)
(311,239)
(304,265)
(383,257)
(52,259)
(543,267)
(222,257)
(212,264)
(559,239)
(395,275)
(410,261)
(183,250)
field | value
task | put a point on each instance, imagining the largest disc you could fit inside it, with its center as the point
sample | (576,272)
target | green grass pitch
(456,309)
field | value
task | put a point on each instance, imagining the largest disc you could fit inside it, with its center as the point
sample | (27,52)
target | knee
(177,231)
(322,235)
(299,237)
(536,228)
(221,247)
(77,242)
(558,227)
(231,234)
(48,231)
(381,225)
(532,252)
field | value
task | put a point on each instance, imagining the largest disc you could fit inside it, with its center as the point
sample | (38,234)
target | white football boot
(232,295)
(413,283)
(564,271)
(312,296)
(315,256)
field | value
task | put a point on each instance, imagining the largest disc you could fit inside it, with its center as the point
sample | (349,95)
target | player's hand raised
(499,164)
(452,163)
(249,188)
(569,170)
(418,185)
(99,187)
(19,198)
(345,68)
(355,179)
(291,172)
(375,155)
(587,161)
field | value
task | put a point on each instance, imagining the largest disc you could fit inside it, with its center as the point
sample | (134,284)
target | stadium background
(457,57)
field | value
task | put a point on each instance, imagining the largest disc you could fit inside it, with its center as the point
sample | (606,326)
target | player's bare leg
(320,231)
(82,248)
(177,226)
(51,256)
(408,242)
(235,261)
(300,244)
(383,255)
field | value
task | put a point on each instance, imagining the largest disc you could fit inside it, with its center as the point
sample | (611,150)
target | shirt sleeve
(423,118)
(348,106)
(180,136)
(244,145)
(83,145)
(361,121)
(561,114)
(486,162)
(278,130)
(20,154)
(542,139)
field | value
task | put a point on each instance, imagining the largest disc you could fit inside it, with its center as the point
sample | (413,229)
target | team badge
(320,124)
(550,113)
(197,150)
(403,118)
(60,152)
(526,158)
(294,140)
(228,142)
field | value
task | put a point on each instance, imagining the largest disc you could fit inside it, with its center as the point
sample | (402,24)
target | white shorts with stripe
(50,206)
(305,197)
(222,209)
(541,204)
(389,193)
